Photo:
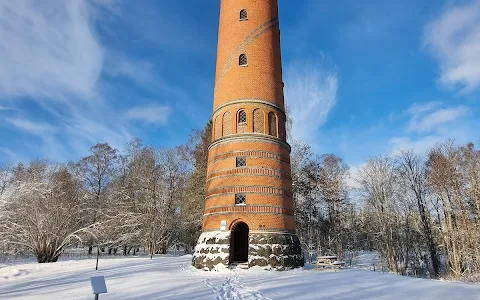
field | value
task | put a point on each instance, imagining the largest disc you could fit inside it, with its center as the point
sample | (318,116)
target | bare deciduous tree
(333,190)
(5,177)
(196,153)
(377,181)
(413,173)
(97,170)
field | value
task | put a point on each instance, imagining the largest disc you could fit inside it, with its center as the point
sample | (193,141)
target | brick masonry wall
(265,180)
(259,38)
(249,122)
(255,90)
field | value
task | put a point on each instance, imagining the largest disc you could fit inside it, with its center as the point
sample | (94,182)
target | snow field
(167,277)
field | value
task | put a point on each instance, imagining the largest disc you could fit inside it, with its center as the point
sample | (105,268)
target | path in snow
(233,289)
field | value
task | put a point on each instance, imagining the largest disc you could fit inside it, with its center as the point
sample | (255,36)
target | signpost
(98,285)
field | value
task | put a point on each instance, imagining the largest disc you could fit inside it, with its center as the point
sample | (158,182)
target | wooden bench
(329,262)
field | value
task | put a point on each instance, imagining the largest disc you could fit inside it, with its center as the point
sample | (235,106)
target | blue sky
(362,78)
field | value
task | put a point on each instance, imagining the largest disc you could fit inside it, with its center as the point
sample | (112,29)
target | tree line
(420,213)
(108,200)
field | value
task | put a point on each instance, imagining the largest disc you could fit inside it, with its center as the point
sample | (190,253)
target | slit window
(241,161)
(242,60)
(240,199)
(243,15)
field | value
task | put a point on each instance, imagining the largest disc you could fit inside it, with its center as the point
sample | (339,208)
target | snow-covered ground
(167,277)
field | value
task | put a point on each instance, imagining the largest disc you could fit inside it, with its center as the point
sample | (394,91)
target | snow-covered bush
(41,211)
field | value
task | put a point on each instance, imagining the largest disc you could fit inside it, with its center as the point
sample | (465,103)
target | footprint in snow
(233,288)
(15,273)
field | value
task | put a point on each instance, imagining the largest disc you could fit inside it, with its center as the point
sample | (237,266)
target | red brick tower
(249,207)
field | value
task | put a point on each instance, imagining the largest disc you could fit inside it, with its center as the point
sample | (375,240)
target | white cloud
(141,72)
(418,108)
(420,145)
(79,129)
(454,39)
(32,127)
(310,95)
(150,114)
(11,157)
(352,178)
(430,123)
(88,127)
(429,119)
(48,49)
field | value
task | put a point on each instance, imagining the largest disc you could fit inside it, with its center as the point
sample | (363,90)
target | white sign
(223,225)
(98,285)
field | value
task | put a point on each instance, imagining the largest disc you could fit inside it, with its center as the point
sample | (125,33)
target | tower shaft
(249,212)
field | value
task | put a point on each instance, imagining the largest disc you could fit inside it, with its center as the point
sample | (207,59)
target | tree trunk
(47,254)
(429,237)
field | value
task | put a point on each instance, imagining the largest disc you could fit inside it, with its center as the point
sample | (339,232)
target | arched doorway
(239,243)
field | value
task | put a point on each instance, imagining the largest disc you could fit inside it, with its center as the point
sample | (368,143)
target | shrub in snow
(42,211)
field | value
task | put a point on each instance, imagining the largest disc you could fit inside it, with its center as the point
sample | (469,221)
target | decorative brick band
(249,189)
(263,231)
(249,100)
(249,212)
(275,24)
(259,209)
(251,153)
(245,171)
(250,137)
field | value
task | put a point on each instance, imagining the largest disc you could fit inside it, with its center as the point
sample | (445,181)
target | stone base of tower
(212,250)
(280,251)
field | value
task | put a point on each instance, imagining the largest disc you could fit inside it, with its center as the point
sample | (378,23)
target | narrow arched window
(242,60)
(272,124)
(241,121)
(243,15)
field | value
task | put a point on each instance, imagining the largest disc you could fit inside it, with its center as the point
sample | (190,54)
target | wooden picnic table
(329,262)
